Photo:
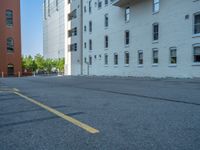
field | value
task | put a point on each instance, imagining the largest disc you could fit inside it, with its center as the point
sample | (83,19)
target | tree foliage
(39,63)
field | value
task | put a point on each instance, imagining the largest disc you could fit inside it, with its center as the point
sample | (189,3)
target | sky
(31,27)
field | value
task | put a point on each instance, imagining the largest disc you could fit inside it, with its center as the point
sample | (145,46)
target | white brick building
(156,38)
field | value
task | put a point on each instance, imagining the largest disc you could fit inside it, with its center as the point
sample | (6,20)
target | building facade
(10,38)
(153,38)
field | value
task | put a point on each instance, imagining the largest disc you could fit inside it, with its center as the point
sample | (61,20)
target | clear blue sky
(31,27)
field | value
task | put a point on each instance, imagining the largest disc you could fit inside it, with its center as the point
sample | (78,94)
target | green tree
(28,63)
(60,65)
(48,65)
(39,61)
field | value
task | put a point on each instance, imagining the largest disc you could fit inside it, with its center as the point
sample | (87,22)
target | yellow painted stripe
(57,113)
(16,90)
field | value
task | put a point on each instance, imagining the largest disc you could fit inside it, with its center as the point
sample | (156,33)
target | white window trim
(193,34)
(155,64)
(155,41)
(170,64)
(126,65)
(194,63)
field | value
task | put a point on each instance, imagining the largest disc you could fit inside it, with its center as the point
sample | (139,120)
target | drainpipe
(81,29)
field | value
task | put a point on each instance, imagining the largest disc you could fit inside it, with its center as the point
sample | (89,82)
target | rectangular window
(90,26)
(140,57)
(90,44)
(197,23)
(127,14)
(155,56)
(106,20)
(9,18)
(45,10)
(49,8)
(90,6)
(56,5)
(99,4)
(106,59)
(90,60)
(106,41)
(197,54)
(126,58)
(127,37)
(72,15)
(115,59)
(106,2)
(72,32)
(156,6)
(73,47)
(173,56)
(155,32)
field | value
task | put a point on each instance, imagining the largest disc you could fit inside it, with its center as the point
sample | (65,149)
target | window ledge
(196,35)
(154,65)
(172,65)
(140,66)
(154,13)
(126,65)
(155,42)
(105,65)
(196,64)
(127,21)
(115,66)
(127,46)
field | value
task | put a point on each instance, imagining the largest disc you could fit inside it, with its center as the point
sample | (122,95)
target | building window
(9,18)
(56,5)
(197,23)
(173,56)
(85,28)
(73,47)
(155,56)
(106,41)
(49,8)
(72,32)
(156,6)
(90,44)
(196,48)
(45,10)
(72,15)
(90,60)
(115,59)
(106,20)
(85,9)
(90,6)
(127,37)
(106,2)
(127,14)
(155,32)
(99,4)
(90,26)
(106,59)
(140,57)
(10,44)
(126,58)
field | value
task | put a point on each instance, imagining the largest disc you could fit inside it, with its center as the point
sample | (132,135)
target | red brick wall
(14,32)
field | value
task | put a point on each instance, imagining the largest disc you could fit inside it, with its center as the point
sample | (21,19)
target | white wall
(175,31)
(54,31)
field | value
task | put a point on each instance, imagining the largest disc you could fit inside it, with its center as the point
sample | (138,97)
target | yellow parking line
(61,115)
(16,90)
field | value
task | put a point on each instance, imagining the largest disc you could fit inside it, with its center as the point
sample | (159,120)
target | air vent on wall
(187,17)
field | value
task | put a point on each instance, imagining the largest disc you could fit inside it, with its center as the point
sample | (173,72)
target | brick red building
(10,38)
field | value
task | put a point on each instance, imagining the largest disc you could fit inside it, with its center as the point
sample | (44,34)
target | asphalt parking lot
(99,113)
